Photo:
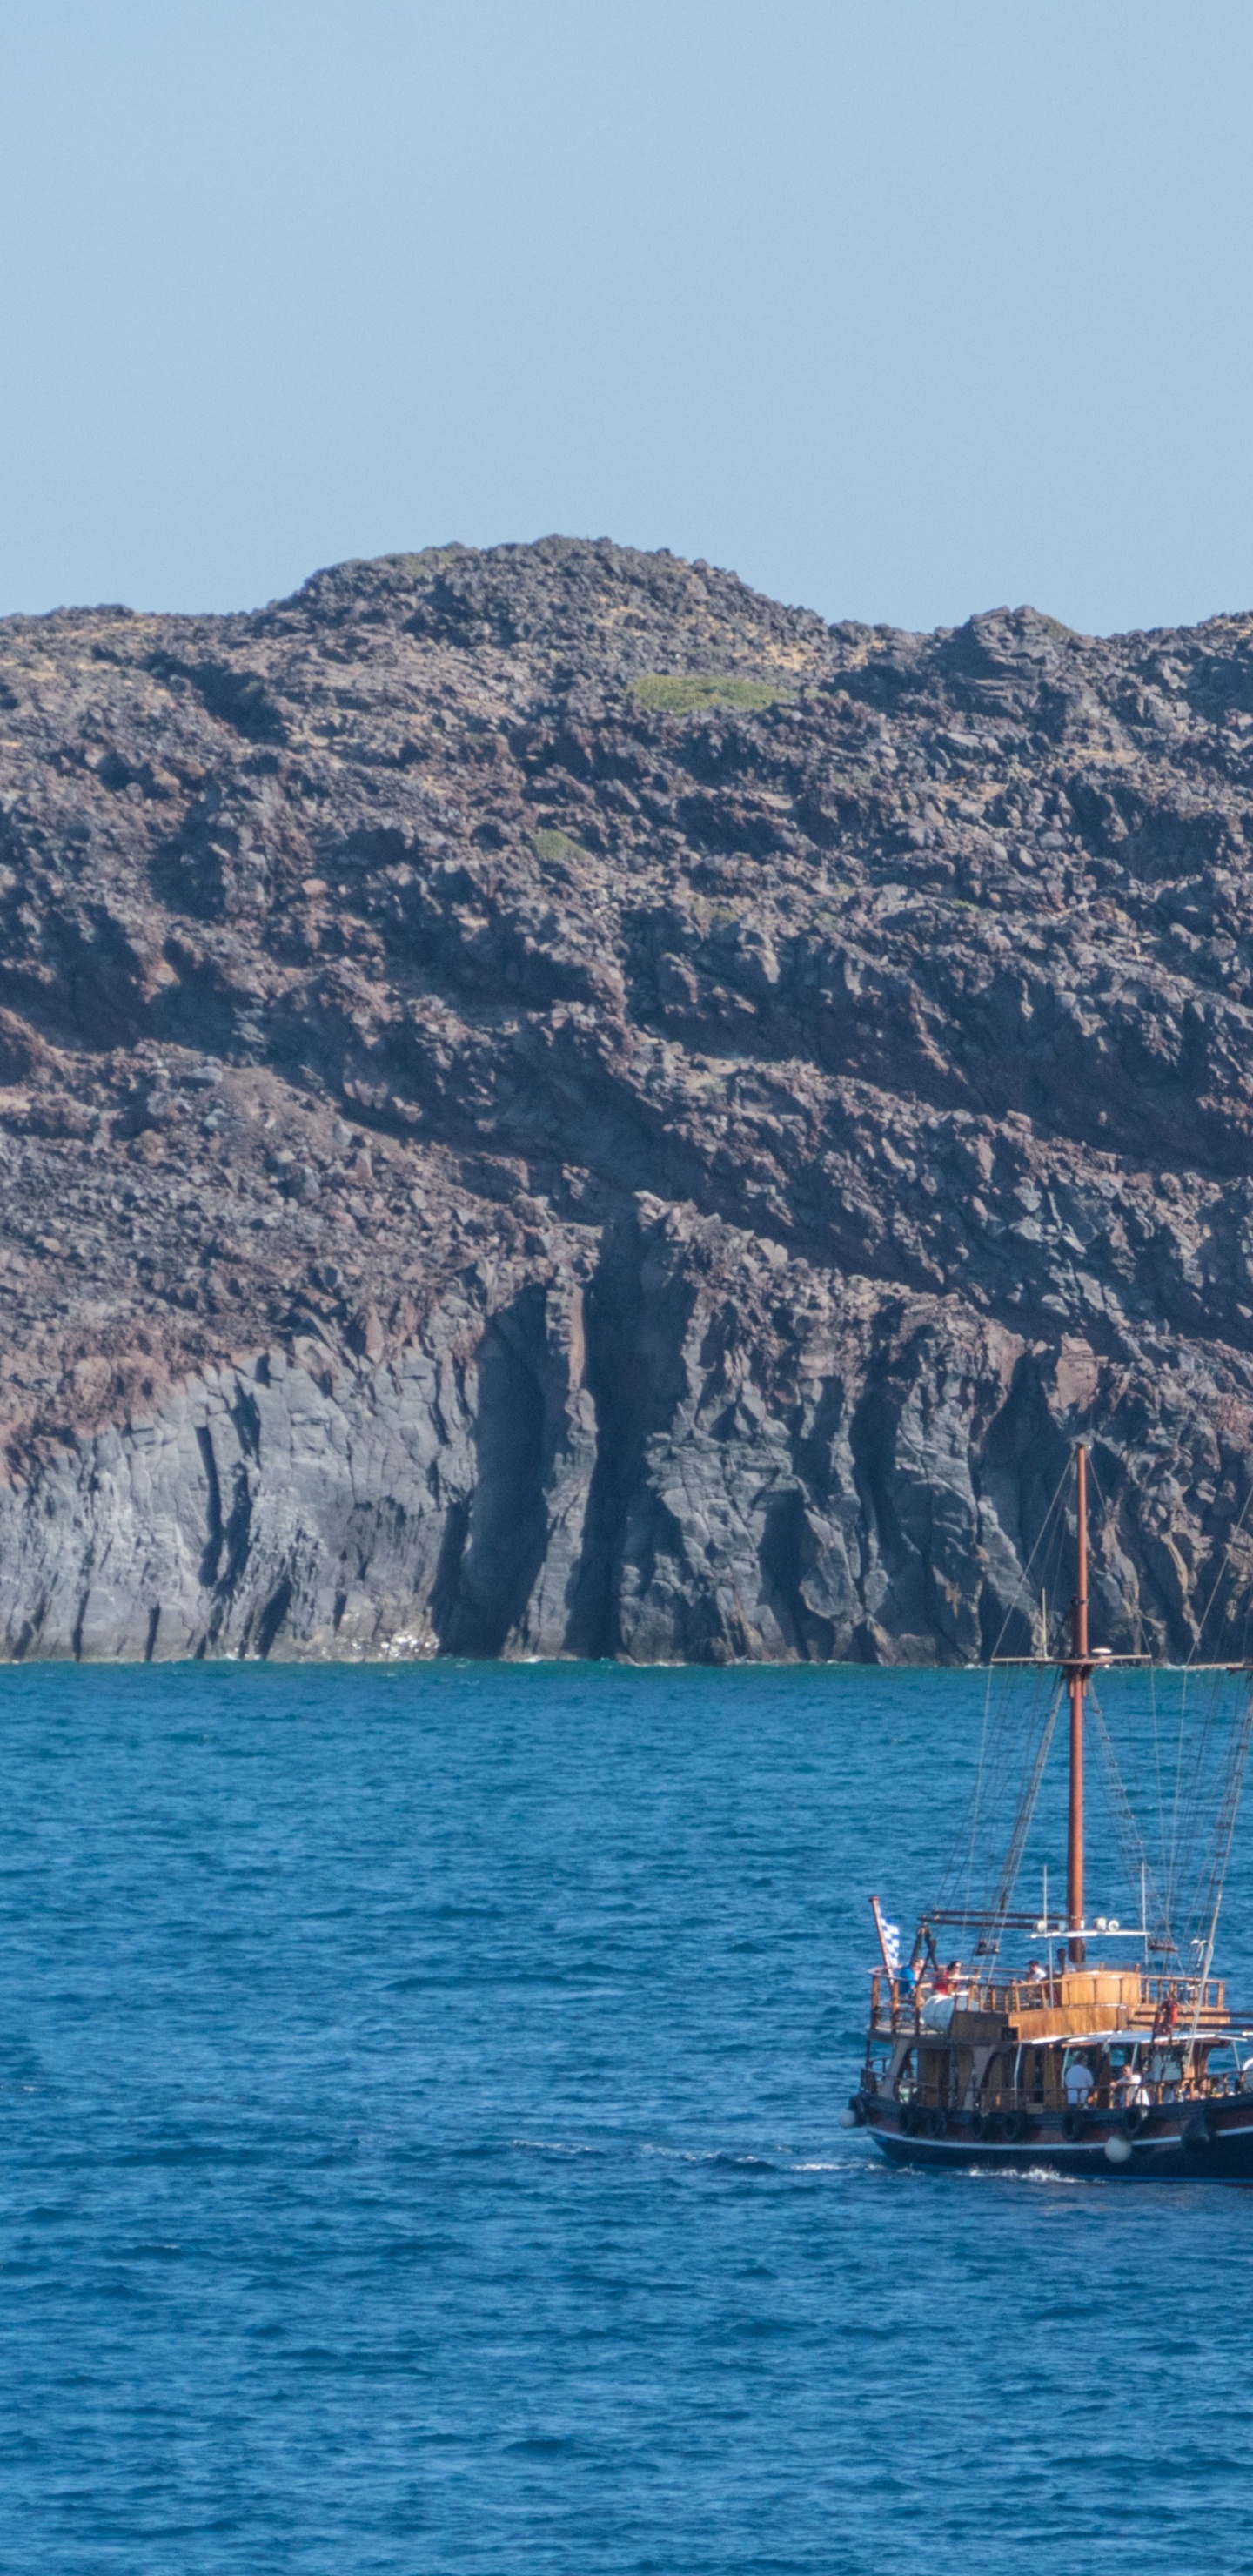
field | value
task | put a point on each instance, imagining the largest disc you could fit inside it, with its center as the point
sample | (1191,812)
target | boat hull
(1218,2148)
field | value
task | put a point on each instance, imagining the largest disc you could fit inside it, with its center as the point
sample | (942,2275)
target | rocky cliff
(549,1104)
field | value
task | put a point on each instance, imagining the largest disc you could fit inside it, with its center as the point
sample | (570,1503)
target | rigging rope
(1126,1830)
(1214,1878)
(1174,1810)
(976,1803)
(1004,1896)
(1157,1769)
(1190,1794)
(1127,1835)
(1013,1700)
(1205,1767)
(1042,1534)
(1222,1568)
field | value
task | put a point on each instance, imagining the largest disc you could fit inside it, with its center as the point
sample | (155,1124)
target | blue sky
(903,309)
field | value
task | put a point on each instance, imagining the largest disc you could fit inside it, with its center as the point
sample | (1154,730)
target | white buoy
(849,2120)
(1118,2148)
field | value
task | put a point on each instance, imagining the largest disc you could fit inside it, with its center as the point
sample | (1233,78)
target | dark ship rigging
(1088,2059)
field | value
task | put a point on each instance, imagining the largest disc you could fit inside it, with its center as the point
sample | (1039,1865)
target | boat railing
(1114,2098)
(1185,1994)
(1170,2002)
(1108,2099)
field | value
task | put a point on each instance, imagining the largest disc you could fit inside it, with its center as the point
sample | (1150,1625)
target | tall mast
(1078,1670)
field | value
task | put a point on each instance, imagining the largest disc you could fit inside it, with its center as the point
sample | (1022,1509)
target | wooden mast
(1078,1671)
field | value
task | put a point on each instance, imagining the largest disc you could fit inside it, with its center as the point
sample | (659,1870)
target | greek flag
(892,1945)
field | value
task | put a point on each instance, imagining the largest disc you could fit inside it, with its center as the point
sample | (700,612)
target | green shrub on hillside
(684,693)
(558,850)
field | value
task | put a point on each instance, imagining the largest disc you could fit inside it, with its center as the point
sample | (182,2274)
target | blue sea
(419,2117)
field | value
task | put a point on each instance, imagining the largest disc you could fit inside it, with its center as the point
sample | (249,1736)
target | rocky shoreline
(551,1105)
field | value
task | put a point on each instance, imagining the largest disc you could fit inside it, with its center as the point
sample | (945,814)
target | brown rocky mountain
(552,1105)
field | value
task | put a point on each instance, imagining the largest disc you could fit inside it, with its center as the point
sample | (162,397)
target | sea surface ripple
(419,2098)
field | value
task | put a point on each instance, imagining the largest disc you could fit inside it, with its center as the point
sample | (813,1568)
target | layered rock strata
(551,1105)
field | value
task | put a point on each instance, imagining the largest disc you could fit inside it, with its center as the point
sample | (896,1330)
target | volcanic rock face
(549,1104)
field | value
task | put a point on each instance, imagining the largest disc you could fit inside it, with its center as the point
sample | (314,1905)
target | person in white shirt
(1078,2083)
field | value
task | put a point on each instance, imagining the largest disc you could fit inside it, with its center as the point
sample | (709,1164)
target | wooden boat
(1085,2062)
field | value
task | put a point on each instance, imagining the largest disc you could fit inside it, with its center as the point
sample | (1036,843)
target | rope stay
(984,1864)
(1212,1876)
(1131,1850)
(1025,1570)
(1004,1896)
(1223,1563)
(989,1819)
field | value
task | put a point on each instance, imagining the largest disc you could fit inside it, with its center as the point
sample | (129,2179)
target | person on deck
(1078,2083)
(1035,1973)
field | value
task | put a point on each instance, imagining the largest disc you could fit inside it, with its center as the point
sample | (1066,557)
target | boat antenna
(1078,1671)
